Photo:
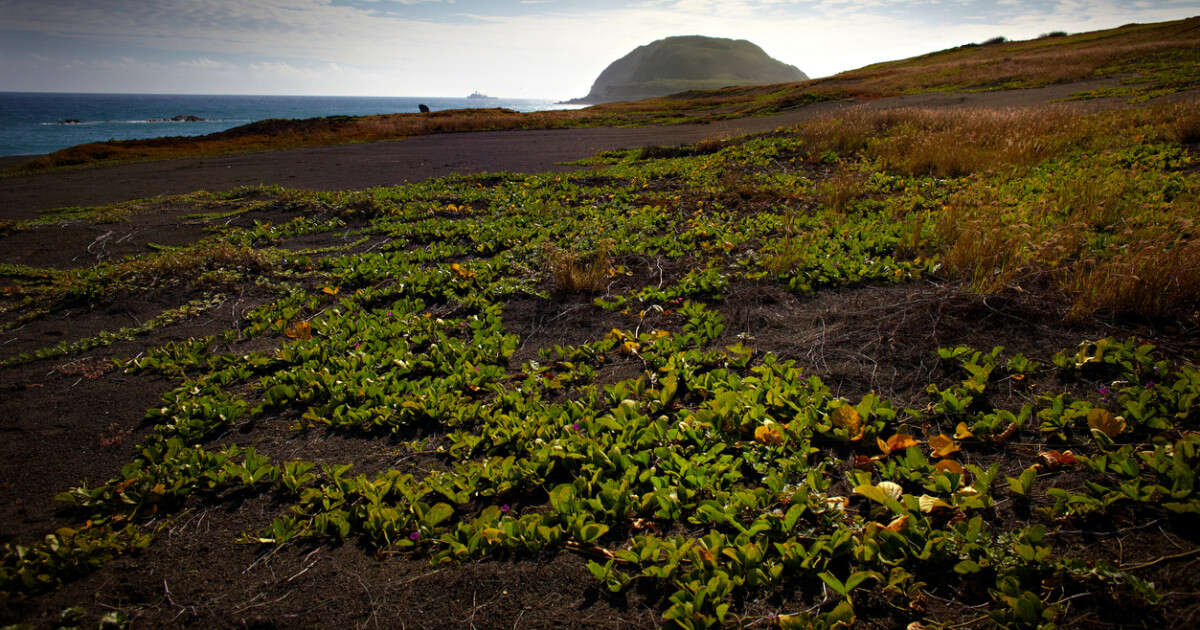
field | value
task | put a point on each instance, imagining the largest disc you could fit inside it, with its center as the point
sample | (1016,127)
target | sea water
(36,123)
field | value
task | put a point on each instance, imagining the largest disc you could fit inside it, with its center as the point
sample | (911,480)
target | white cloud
(316,46)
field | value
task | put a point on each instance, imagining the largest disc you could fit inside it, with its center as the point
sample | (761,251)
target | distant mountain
(691,62)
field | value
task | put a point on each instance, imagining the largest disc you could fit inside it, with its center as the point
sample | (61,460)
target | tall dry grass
(1154,277)
(949,143)
(1102,236)
(573,272)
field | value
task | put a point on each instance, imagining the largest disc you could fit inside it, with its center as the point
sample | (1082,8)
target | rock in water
(423,107)
(692,62)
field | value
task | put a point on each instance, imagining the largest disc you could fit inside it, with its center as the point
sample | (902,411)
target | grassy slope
(1154,59)
(706,371)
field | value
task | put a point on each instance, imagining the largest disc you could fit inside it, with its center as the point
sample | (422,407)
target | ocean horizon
(34,123)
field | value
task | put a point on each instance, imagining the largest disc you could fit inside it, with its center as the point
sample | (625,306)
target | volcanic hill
(691,62)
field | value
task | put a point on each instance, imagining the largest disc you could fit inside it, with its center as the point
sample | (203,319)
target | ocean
(36,123)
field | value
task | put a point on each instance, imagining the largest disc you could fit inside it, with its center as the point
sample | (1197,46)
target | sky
(510,48)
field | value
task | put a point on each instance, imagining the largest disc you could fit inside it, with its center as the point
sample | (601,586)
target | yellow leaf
(948,466)
(630,347)
(768,435)
(846,417)
(961,432)
(942,445)
(331,290)
(1106,423)
(929,504)
(492,534)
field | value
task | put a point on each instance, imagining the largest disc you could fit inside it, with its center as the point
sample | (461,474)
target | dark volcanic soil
(63,421)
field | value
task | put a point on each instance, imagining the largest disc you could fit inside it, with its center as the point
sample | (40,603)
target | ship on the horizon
(480,96)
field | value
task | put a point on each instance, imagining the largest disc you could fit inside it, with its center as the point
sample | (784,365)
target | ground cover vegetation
(908,368)
(1149,60)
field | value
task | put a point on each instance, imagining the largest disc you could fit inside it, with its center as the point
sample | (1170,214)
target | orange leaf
(463,273)
(331,290)
(1054,459)
(942,445)
(1106,423)
(897,442)
(948,466)
(961,432)
(862,462)
(846,417)
(898,524)
(768,435)
(302,330)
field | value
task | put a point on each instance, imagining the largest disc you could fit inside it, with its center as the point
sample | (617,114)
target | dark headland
(690,62)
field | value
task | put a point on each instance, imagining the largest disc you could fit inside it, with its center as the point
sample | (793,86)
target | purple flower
(414,536)
(1149,383)
(1102,390)
(505,508)
(389,313)
(575,425)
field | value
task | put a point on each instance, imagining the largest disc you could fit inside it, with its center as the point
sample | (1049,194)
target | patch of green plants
(722,480)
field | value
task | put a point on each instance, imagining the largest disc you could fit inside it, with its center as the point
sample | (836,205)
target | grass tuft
(574,272)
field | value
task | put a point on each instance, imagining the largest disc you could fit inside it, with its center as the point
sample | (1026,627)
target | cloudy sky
(511,48)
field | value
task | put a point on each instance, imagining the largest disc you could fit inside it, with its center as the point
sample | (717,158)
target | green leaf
(966,567)
(793,515)
(561,497)
(670,385)
(858,577)
(875,493)
(591,531)
(842,615)
(600,572)
(833,583)
(437,514)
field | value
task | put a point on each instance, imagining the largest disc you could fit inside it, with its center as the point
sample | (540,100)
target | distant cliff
(692,62)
